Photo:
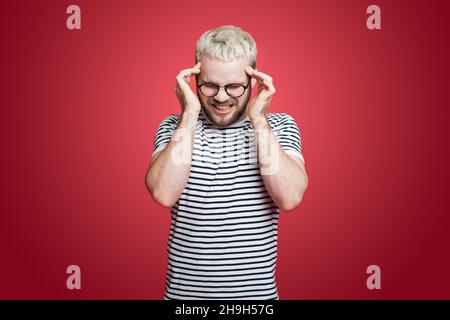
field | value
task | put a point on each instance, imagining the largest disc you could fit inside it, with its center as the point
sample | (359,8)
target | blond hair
(226,43)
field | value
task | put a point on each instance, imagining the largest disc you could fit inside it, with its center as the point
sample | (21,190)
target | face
(222,109)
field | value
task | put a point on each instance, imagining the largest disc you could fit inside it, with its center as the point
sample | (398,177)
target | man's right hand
(188,99)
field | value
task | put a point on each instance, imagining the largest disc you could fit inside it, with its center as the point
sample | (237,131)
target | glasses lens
(235,90)
(209,89)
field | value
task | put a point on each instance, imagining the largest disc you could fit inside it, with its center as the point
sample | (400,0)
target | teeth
(222,107)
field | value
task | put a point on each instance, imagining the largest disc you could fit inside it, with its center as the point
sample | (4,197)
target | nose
(221,96)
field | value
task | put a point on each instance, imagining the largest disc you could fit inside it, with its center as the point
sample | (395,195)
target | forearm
(168,174)
(284,178)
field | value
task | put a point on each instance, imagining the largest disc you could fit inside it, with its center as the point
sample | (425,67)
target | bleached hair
(226,43)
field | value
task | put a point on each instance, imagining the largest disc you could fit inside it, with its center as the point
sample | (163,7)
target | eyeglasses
(234,90)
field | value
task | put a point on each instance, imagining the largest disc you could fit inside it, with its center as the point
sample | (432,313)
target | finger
(271,88)
(194,70)
(182,84)
(266,87)
(185,75)
(262,75)
(258,75)
(264,81)
(269,85)
(189,71)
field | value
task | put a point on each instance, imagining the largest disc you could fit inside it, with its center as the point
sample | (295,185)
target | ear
(253,79)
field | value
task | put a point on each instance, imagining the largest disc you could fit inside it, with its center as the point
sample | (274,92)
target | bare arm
(284,176)
(169,170)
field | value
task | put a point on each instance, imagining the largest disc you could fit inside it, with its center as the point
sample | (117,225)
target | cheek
(203,99)
(243,101)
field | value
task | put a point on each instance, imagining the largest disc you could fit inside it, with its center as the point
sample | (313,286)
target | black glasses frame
(199,87)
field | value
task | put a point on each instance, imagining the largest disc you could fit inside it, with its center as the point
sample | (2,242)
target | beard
(239,108)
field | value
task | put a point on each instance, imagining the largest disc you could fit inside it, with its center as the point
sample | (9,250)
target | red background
(80,108)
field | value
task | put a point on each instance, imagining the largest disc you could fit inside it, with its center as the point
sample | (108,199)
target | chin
(222,122)
(221,119)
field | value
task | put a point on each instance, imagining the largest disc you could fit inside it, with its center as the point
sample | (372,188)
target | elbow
(163,198)
(291,203)
(160,196)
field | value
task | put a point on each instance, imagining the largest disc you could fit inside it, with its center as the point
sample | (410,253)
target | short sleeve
(289,137)
(164,133)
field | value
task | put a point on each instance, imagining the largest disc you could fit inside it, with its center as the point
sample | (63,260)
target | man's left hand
(257,108)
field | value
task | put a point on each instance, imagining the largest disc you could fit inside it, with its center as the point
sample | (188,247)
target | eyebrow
(244,82)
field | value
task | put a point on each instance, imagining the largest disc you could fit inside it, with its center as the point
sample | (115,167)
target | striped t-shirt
(223,235)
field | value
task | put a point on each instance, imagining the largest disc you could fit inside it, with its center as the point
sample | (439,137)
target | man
(225,166)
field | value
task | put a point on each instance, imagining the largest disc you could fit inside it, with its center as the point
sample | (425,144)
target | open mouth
(222,109)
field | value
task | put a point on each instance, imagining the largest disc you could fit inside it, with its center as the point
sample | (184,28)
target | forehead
(223,72)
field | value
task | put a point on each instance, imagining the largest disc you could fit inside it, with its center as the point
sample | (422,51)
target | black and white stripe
(223,236)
